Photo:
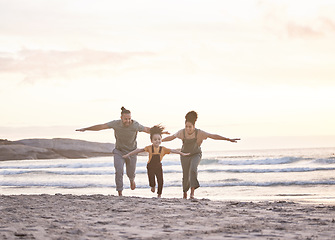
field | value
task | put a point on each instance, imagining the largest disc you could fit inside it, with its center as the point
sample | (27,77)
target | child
(156,153)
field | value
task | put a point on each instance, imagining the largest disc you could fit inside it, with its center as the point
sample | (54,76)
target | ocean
(306,175)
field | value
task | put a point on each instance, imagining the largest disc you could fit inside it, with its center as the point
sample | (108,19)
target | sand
(111,217)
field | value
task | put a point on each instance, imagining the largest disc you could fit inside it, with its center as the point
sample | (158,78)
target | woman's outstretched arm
(219,137)
(168,138)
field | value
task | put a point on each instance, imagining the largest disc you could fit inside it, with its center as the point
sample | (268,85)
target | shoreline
(245,194)
(110,217)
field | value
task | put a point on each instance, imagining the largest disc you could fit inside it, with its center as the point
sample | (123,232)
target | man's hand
(81,130)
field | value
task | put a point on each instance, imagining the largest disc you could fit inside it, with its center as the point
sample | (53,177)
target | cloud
(35,65)
(306,20)
(296,30)
(328,24)
(319,27)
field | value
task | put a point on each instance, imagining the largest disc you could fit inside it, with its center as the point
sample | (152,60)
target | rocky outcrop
(52,148)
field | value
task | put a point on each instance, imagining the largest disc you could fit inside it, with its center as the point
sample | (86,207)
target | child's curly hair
(157,129)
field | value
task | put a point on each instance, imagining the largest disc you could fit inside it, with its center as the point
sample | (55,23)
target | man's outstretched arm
(94,128)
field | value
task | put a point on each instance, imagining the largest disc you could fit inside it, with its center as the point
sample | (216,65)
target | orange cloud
(35,65)
(296,30)
(328,24)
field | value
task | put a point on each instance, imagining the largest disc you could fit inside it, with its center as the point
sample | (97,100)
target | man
(125,131)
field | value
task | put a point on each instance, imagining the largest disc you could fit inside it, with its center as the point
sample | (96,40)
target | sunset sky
(263,71)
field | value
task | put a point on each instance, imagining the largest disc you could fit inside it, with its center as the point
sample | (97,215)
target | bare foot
(159,195)
(120,193)
(192,193)
(153,189)
(132,185)
(185,195)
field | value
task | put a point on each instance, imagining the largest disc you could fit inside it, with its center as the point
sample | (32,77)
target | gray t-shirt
(125,136)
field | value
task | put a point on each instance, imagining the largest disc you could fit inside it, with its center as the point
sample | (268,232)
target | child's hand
(126,156)
(185,154)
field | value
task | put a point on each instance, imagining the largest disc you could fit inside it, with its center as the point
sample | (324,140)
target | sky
(262,71)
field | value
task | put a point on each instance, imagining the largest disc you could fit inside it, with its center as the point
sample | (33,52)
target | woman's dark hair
(124,111)
(191,117)
(157,129)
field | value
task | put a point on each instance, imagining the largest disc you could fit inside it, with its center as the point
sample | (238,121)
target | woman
(192,139)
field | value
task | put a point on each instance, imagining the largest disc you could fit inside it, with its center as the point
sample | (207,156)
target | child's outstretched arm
(179,152)
(136,151)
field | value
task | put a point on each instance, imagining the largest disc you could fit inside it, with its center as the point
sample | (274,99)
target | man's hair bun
(124,110)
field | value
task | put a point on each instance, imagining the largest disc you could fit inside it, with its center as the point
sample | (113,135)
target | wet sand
(111,217)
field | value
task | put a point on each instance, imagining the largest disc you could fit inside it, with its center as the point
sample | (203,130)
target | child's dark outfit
(154,166)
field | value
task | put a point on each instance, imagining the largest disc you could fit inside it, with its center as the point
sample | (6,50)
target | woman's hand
(234,140)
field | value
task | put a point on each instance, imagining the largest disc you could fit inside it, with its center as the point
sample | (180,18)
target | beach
(67,216)
(267,194)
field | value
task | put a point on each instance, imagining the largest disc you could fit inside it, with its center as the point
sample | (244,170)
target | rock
(68,144)
(52,148)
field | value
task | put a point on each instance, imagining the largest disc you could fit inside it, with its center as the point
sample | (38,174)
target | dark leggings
(155,169)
